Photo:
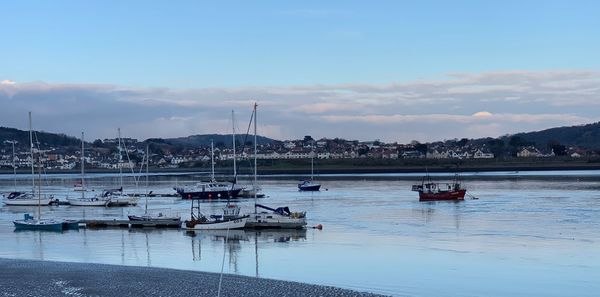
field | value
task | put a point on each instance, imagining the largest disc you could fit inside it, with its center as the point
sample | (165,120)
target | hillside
(584,136)
(218,139)
(46,139)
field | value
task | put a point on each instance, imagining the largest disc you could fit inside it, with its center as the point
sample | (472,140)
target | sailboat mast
(31,150)
(212,161)
(255,167)
(82,167)
(14,165)
(312,160)
(120,159)
(233,135)
(147,193)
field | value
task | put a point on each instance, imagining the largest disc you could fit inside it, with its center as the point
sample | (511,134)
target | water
(529,234)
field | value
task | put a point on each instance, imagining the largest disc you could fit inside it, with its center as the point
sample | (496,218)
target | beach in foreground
(45,278)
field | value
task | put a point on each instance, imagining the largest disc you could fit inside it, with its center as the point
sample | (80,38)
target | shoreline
(364,169)
(49,278)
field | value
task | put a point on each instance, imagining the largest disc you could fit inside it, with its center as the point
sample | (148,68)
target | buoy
(319,226)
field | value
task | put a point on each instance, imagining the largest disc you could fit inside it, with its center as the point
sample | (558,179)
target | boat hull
(27,202)
(210,195)
(38,225)
(274,221)
(443,196)
(310,188)
(88,202)
(153,218)
(238,223)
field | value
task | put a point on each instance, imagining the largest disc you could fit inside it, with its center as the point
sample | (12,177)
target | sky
(366,70)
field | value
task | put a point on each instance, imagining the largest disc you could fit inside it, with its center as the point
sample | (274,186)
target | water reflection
(234,241)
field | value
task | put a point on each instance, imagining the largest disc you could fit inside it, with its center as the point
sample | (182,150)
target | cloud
(7,82)
(458,105)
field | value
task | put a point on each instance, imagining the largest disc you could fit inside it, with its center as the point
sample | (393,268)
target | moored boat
(430,191)
(231,219)
(309,185)
(30,223)
(209,190)
(27,199)
(279,218)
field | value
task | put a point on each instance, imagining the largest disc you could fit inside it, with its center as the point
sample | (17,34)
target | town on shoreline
(293,157)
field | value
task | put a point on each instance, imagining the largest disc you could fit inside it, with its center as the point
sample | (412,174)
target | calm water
(529,234)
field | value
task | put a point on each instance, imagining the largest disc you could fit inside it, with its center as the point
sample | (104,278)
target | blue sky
(194,46)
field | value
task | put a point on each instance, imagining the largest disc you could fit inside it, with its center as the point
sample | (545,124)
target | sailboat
(28,221)
(116,196)
(310,185)
(209,190)
(24,198)
(281,217)
(150,217)
(86,201)
(14,193)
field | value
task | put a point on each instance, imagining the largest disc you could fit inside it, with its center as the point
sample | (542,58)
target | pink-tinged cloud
(460,105)
(442,118)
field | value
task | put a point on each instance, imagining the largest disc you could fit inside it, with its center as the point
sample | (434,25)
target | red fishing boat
(430,191)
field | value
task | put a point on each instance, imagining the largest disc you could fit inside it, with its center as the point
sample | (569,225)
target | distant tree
(421,147)
(463,142)
(308,138)
(559,150)
(517,141)
(97,143)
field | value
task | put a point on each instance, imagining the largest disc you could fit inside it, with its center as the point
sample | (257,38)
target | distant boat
(310,185)
(430,191)
(29,222)
(209,190)
(80,187)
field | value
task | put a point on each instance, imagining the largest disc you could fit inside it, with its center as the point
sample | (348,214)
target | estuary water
(528,234)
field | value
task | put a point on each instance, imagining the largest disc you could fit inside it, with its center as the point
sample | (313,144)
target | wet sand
(45,278)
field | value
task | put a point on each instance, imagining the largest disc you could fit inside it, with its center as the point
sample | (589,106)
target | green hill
(584,136)
(46,139)
(219,140)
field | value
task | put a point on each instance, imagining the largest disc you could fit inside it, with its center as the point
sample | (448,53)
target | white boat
(27,199)
(32,198)
(279,218)
(230,219)
(269,218)
(117,198)
(86,201)
(28,222)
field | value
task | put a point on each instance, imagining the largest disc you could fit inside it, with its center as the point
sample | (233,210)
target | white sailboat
(86,201)
(116,196)
(279,218)
(160,217)
(29,222)
(29,199)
